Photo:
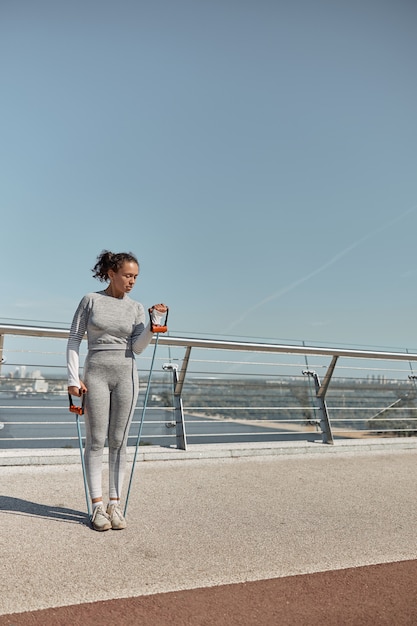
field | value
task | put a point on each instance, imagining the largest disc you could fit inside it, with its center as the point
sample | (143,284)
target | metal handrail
(220,344)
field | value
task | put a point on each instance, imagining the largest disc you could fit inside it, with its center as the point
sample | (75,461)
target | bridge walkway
(228,535)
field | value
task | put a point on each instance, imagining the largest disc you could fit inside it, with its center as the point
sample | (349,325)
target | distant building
(40,385)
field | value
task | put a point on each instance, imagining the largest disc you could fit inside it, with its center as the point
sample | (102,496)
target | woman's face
(124,279)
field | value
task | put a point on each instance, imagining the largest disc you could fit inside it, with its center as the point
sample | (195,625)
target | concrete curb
(54,456)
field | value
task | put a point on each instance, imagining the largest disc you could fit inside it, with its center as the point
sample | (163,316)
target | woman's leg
(96,423)
(123,402)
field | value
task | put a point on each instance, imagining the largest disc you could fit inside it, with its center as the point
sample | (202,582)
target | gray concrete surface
(60,456)
(210,519)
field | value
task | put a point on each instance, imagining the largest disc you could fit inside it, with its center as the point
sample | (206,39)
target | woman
(116,331)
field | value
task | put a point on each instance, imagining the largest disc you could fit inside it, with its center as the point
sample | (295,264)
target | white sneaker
(100,520)
(115,515)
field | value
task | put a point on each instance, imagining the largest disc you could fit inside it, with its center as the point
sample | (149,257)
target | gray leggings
(112,384)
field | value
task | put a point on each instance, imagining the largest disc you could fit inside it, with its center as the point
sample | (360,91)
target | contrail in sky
(321,268)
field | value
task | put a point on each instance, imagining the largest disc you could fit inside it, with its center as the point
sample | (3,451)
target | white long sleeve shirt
(110,324)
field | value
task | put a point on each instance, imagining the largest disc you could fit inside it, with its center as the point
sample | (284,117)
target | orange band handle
(158,328)
(74,408)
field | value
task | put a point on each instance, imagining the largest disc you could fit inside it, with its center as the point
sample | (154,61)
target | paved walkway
(296,538)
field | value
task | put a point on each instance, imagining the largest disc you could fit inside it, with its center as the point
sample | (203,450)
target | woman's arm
(77,332)
(142,335)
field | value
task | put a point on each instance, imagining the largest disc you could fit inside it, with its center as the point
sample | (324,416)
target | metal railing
(211,390)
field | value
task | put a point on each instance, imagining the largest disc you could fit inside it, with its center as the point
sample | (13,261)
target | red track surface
(377,594)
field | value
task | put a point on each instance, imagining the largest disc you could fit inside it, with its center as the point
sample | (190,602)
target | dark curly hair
(109,261)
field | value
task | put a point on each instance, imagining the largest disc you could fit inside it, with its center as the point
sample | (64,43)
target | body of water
(45,422)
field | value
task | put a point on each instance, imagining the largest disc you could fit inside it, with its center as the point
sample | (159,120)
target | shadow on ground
(26,507)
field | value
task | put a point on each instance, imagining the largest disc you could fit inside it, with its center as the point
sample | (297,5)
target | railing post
(326,429)
(179,415)
(178,382)
(1,351)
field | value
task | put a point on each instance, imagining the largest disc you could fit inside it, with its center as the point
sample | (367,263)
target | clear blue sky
(258,156)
